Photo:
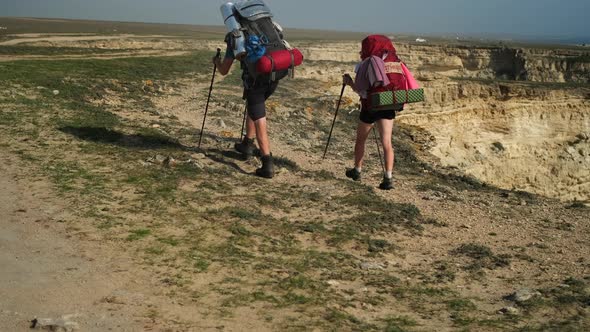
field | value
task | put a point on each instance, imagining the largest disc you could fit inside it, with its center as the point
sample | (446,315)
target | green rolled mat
(381,100)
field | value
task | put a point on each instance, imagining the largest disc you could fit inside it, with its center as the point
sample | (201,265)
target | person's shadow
(222,156)
(113,137)
(147,141)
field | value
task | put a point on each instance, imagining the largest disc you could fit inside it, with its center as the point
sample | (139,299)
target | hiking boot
(353,174)
(267,169)
(246,147)
(386,184)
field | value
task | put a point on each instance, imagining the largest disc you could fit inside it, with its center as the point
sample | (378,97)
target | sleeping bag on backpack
(279,60)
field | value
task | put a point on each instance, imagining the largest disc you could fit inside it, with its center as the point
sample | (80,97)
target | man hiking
(256,92)
(265,57)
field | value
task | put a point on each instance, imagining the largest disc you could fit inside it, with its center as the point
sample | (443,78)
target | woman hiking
(379,70)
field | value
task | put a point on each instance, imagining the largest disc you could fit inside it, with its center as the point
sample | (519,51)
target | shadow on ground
(109,136)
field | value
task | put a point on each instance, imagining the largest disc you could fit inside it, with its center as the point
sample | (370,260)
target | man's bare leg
(261,136)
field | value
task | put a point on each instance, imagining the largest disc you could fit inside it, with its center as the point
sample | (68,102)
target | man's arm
(223,65)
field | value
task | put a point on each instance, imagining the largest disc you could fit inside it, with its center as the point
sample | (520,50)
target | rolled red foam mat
(279,60)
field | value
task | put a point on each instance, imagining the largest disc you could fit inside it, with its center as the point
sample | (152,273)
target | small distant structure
(420,40)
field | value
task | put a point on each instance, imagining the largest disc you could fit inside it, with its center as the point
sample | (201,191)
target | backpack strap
(273,75)
(406,81)
(292,66)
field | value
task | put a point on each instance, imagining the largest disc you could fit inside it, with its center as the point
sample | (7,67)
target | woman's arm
(347,80)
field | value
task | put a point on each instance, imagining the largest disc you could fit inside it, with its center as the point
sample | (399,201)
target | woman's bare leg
(385,128)
(362,132)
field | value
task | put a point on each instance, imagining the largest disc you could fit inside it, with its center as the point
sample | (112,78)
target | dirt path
(48,273)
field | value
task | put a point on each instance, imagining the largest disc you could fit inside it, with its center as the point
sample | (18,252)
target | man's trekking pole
(209,97)
(378,150)
(334,121)
(243,122)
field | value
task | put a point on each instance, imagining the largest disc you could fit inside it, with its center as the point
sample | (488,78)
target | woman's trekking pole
(378,150)
(334,121)
(209,97)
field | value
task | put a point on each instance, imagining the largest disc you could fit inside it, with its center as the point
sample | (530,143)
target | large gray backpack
(255,22)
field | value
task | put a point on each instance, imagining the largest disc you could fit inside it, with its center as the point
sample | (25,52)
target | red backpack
(379,45)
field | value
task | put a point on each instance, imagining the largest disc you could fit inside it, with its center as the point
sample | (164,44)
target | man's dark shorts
(256,96)
(370,117)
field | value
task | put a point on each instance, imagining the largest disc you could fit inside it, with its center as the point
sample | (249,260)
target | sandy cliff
(515,118)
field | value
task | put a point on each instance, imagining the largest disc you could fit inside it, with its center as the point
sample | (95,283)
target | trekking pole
(209,97)
(334,121)
(244,121)
(378,150)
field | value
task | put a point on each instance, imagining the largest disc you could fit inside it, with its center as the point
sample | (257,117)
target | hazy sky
(565,18)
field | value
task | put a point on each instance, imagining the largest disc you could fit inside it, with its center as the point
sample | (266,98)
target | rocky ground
(112,217)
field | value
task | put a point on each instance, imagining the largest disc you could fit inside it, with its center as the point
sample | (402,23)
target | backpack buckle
(236,33)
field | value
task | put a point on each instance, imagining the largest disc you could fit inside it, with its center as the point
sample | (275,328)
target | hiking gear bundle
(334,121)
(218,55)
(259,40)
(402,87)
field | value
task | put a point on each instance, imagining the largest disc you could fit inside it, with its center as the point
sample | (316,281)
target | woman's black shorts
(370,117)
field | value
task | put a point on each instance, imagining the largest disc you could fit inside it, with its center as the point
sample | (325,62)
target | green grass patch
(55,74)
(245,214)
(340,320)
(171,241)
(155,251)
(461,305)
(399,324)
(73,177)
(481,257)
(138,234)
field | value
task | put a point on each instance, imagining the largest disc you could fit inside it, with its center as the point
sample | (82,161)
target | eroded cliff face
(517,118)
(535,140)
(525,64)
